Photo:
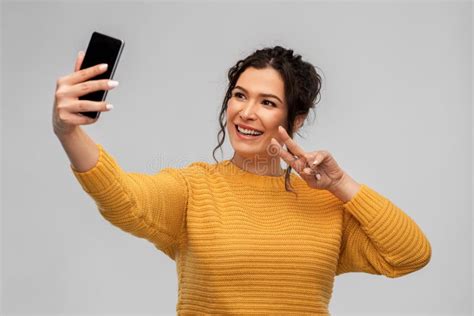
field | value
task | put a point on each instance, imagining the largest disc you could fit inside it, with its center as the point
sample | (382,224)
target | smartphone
(101,49)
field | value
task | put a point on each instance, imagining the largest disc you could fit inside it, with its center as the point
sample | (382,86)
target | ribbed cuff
(101,176)
(366,204)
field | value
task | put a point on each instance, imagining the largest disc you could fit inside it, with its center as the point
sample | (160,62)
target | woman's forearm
(81,150)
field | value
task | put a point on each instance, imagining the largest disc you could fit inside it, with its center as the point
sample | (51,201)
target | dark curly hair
(301,81)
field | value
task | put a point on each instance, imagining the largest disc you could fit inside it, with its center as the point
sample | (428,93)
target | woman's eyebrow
(262,94)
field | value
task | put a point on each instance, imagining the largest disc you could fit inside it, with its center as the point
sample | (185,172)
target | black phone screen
(101,49)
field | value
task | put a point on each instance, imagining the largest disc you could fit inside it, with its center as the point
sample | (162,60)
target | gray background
(395,113)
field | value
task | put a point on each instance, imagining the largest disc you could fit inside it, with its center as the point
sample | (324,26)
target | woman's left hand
(318,168)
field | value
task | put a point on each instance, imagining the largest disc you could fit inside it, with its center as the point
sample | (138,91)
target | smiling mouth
(245,134)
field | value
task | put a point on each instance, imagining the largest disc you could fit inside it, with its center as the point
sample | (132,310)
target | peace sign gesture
(317,168)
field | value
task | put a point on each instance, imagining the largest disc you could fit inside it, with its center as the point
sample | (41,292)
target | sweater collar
(235,174)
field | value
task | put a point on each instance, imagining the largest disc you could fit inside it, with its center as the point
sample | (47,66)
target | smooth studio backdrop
(395,113)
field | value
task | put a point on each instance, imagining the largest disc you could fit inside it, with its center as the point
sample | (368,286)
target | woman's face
(258,102)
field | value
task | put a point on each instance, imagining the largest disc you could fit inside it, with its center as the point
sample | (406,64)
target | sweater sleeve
(379,238)
(147,206)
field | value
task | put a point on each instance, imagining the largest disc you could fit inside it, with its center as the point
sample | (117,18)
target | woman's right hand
(69,88)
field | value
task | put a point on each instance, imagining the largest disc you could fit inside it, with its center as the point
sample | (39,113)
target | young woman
(247,236)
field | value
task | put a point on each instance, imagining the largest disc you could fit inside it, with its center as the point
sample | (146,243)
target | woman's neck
(258,164)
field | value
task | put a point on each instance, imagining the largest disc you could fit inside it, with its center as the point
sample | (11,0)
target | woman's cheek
(232,108)
(230,105)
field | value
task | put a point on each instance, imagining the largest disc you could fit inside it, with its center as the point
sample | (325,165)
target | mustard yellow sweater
(245,246)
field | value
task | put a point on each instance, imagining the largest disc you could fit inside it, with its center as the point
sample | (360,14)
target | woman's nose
(247,112)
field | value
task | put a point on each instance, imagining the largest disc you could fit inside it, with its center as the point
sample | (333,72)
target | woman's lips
(249,127)
(245,137)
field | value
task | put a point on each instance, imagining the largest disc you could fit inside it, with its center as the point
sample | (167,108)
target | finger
(297,164)
(311,172)
(91,86)
(84,74)
(79,59)
(290,144)
(318,159)
(285,155)
(90,106)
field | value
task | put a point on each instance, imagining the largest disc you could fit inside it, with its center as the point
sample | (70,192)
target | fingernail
(113,83)
(80,54)
(315,162)
(103,66)
(109,106)
(318,176)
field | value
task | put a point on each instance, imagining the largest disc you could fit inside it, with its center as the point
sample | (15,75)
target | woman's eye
(271,103)
(266,102)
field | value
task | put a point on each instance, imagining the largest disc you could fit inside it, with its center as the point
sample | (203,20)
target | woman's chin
(249,149)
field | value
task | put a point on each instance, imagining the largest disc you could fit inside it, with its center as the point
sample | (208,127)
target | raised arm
(67,108)
(148,206)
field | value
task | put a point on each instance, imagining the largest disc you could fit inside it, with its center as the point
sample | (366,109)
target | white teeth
(248,131)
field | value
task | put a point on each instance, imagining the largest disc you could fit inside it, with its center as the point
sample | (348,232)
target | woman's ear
(299,120)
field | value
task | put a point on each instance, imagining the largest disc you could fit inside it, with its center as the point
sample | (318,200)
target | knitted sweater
(245,246)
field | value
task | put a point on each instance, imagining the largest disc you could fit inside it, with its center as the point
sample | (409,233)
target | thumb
(79,59)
